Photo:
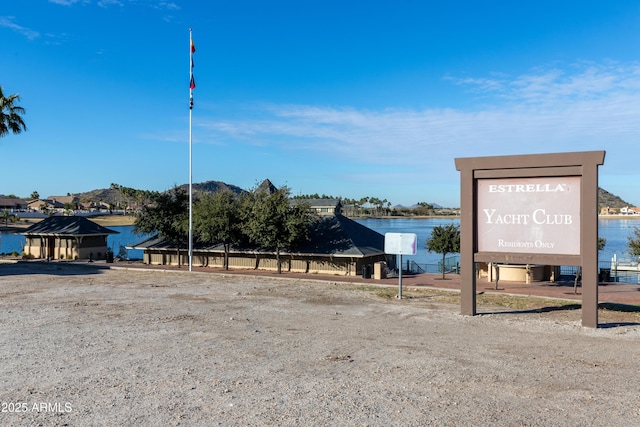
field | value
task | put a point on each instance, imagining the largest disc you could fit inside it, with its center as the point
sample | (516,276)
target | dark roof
(157,242)
(12,202)
(67,226)
(338,235)
(64,199)
(333,235)
(266,187)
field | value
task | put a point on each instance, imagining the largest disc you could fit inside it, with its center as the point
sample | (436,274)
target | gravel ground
(119,347)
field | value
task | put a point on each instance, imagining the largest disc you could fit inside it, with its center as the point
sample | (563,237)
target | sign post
(398,244)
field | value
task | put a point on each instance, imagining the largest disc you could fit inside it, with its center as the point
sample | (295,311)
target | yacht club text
(538,217)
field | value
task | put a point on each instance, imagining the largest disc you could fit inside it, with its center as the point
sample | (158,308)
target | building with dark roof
(67,237)
(266,186)
(12,204)
(337,245)
(321,206)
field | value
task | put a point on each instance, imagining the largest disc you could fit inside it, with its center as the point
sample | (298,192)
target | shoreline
(124,220)
(630,217)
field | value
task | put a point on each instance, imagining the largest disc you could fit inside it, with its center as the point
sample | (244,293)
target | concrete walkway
(609,292)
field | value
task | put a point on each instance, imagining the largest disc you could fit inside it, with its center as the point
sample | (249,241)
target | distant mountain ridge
(114,196)
(212,187)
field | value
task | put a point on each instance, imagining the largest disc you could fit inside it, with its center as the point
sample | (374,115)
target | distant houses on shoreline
(71,205)
(625,211)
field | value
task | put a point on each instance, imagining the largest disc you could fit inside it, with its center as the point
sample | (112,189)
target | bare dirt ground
(82,346)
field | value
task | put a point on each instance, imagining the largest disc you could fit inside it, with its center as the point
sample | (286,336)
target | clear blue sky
(346,98)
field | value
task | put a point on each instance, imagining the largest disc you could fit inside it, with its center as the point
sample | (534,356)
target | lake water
(616,231)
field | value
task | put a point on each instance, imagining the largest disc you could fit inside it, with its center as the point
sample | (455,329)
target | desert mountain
(606,199)
(114,196)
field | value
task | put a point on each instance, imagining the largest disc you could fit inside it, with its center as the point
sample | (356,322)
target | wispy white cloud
(107,3)
(8,22)
(156,4)
(67,2)
(551,86)
(48,38)
(583,107)
(167,5)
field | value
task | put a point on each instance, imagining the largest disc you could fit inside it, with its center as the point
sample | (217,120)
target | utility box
(380,270)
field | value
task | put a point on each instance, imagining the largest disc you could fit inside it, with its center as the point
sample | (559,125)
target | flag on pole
(192,82)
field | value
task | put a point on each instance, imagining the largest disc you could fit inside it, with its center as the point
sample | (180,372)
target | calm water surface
(616,231)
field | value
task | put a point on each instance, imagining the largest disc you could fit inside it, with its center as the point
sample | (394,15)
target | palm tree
(10,114)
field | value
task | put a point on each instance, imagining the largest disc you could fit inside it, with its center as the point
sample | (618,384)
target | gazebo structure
(67,237)
(337,245)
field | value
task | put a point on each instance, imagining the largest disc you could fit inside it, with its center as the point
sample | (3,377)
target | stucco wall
(66,247)
(296,264)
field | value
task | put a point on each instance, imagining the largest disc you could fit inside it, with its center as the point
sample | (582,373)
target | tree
(70,207)
(444,240)
(423,209)
(35,195)
(168,216)
(45,209)
(633,242)
(7,216)
(217,219)
(271,222)
(135,198)
(363,204)
(11,114)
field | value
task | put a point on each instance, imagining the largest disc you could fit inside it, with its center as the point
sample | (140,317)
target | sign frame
(581,165)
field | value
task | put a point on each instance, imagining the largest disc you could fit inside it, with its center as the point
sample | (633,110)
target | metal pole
(399,276)
(190,152)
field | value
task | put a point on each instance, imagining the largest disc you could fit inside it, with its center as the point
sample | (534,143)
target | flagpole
(190,150)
